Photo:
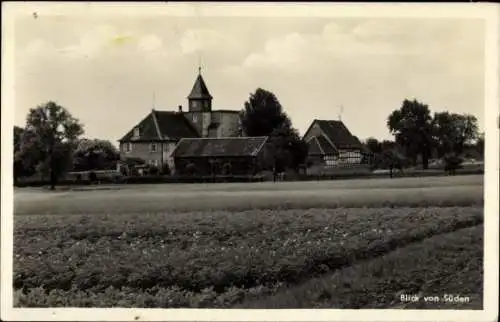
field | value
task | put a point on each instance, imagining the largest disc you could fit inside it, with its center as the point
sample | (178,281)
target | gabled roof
(219,147)
(338,134)
(174,125)
(326,146)
(162,125)
(200,90)
(318,145)
(313,147)
(147,131)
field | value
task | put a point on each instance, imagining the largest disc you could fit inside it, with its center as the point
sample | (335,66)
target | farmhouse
(154,138)
(331,144)
(215,156)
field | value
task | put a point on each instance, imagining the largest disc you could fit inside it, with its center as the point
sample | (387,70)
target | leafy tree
(95,155)
(21,166)
(393,160)
(18,133)
(412,127)
(263,115)
(373,145)
(452,162)
(453,132)
(52,130)
(480,144)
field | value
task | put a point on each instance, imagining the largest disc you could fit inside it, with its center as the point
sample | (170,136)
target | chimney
(180,108)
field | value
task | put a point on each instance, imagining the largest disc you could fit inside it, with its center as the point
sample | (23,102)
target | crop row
(447,264)
(196,251)
(444,264)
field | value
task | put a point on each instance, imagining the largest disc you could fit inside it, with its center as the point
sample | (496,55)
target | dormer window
(136,132)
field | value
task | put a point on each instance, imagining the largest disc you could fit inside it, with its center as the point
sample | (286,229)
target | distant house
(215,156)
(154,138)
(331,144)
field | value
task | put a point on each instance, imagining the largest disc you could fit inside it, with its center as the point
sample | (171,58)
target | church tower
(200,106)
(199,99)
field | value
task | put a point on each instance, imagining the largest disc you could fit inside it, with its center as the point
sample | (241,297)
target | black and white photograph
(262,158)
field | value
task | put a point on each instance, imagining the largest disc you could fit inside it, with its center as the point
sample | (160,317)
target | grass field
(260,245)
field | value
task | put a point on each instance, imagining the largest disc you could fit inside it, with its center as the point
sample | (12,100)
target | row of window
(346,157)
(155,163)
(153,147)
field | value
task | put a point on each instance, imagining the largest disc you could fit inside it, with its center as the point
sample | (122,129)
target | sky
(109,71)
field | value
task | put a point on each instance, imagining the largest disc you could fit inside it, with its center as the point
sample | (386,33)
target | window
(136,132)
(128,147)
(195,118)
(152,147)
(330,160)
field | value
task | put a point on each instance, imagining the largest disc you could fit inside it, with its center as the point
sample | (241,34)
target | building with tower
(155,137)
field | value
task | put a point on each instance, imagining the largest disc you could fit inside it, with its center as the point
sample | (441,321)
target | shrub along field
(304,244)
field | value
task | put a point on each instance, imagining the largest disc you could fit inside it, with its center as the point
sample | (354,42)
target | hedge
(242,178)
(145,179)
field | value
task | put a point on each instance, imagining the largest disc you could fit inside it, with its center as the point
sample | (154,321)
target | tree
(453,132)
(52,129)
(413,129)
(373,145)
(263,115)
(452,162)
(95,155)
(480,144)
(21,166)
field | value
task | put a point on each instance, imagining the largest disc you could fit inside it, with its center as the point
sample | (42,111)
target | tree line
(420,136)
(51,143)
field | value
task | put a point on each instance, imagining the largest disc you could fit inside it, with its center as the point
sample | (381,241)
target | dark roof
(313,147)
(325,145)
(318,145)
(200,90)
(174,125)
(147,130)
(226,111)
(219,147)
(338,134)
(159,125)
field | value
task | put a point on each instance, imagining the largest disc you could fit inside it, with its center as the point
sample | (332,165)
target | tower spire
(199,64)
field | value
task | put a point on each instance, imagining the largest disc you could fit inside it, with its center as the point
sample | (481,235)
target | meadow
(328,244)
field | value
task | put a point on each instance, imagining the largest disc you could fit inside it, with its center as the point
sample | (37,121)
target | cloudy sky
(105,68)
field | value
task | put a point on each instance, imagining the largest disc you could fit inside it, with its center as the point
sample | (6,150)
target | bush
(92,177)
(153,170)
(452,163)
(165,170)
(191,169)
